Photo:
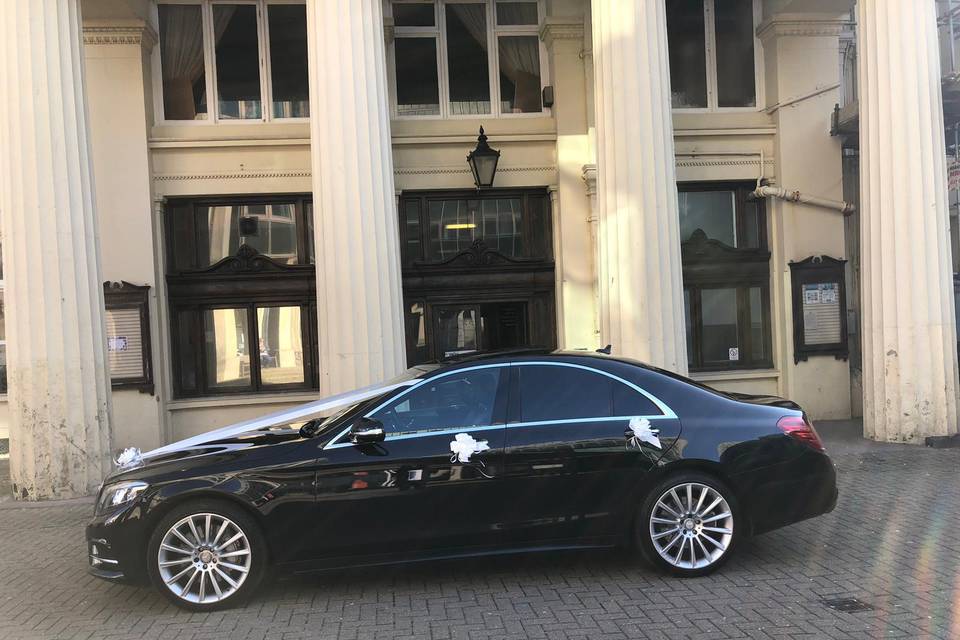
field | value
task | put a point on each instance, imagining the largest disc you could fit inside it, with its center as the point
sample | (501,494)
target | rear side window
(567,393)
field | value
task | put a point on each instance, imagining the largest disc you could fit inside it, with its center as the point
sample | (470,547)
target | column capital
(137,32)
(562,28)
(805,25)
(589,175)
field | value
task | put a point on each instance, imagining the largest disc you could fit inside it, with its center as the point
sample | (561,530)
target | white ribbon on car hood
(304,412)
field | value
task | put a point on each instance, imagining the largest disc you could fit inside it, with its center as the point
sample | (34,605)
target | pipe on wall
(846,208)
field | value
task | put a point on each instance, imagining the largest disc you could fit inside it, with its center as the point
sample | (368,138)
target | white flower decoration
(642,432)
(463,446)
(129,457)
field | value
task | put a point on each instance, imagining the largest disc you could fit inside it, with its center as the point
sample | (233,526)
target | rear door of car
(572,461)
(411,492)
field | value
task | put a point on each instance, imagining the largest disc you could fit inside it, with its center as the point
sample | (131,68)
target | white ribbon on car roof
(316,409)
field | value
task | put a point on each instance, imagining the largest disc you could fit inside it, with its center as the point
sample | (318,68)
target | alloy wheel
(691,526)
(204,558)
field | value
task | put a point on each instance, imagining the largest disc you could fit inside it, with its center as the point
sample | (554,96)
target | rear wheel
(687,525)
(206,555)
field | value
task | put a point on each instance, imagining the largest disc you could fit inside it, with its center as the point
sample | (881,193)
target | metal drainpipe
(845,208)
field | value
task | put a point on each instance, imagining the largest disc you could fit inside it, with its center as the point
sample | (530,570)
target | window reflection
(468,70)
(271,229)
(181,62)
(455,224)
(238,61)
(418,91)
(688,53)
(713,212)
(519,73)
(280,345)
(720,334)
(288,51)
(227,352)
(457,331)
(736,77)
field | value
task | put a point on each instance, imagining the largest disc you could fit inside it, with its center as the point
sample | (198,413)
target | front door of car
(572,461)
(431,483)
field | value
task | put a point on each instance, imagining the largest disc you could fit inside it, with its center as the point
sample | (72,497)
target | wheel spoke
(693,555)
(723,515)
(171,563)
(186,587)
(186,541)
(167,547)
(246,552)
(715,543)
(203,590)
(232,540)
(660,535)
(223,575)
(680,553)
(220,531)
(663,520)
(690,497)
(664,506)
(193,530)
(676,499)
(706,554)
(233,567)
(179,575)
(216,585)
(717,529)
(206,529)
(703,495)
(712,505)
(672,542)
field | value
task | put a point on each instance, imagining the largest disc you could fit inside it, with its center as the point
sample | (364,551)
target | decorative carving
(561,28)
(478,254)
(785,26)
(137,34)
(238,175)
(248,260)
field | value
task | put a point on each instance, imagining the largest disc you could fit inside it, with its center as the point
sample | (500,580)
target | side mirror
(367,431)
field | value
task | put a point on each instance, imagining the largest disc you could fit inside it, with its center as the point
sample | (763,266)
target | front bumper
(116,546)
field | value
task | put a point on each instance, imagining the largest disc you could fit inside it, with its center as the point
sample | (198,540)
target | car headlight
(119,493)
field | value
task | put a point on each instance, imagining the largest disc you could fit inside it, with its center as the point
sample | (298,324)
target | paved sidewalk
(892,543)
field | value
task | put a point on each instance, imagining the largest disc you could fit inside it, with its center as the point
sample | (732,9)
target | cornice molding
(723,162)
(557,28)
(447,170)
(589,176)
(812,25)
(126,33)
(304,173)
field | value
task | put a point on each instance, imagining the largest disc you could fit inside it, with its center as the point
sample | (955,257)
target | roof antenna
(607,349)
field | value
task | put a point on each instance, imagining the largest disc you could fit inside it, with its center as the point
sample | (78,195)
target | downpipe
(846,208)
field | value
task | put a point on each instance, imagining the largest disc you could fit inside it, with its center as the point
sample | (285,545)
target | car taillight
(800,429)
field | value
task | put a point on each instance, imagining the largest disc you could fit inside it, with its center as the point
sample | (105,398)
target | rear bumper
(794,491)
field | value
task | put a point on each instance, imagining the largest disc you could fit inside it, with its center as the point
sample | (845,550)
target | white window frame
(210,66)
(439,33)
(710,49)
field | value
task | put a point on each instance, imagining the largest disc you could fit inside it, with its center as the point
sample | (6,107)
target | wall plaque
(819,308)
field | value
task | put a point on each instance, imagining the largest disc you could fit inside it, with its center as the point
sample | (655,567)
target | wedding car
(507,453)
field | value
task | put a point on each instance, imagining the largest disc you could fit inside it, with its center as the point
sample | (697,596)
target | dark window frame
(246,279)
(710,264)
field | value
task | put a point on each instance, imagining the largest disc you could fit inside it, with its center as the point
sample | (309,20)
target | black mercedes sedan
(502,454)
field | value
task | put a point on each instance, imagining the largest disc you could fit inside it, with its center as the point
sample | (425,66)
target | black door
(466,328)
(572,465)
(411,488)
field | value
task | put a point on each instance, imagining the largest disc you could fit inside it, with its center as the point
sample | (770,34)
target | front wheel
(206,555)
(688,524)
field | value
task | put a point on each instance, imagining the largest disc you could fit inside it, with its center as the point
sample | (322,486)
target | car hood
(765,400)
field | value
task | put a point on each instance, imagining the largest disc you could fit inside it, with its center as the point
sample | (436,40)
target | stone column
(640,278)
(359,295)
(58,387)
(909,331)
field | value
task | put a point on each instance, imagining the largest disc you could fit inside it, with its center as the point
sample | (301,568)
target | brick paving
(892,543)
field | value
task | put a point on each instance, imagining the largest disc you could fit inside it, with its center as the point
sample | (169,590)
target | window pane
(181,61)
(288,60)
(311,242)
(416,334)
(688,53)
(750,224)
(509,13)
(688,325)
(758,342)
(720,336)
(226,349)
(563,393)
(456,224)
(411,232)
(456,331)
(628,402)
(418,90)
(467,63)
(238,61)
(281,345)
(271,229)
(519,74)
(736,73)
(453,402)
(185,350)
(713,212)
(413,15)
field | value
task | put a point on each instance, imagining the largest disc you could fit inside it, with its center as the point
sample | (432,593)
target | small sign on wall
(128,336)
(819,308)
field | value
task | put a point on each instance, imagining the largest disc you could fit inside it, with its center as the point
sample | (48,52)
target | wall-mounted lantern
(483,162)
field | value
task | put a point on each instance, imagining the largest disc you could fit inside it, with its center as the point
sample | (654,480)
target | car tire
(681,528)
(206,555)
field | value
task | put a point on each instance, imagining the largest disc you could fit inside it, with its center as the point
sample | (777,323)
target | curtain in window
(474,18)
(520,63)
(181,43)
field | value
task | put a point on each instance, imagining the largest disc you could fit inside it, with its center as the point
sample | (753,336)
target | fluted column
(359,294)
(58,386)
(640,278)
(909,333)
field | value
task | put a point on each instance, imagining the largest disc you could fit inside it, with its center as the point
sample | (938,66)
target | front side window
(236,56)
(456,401)
(713,53)
(726,277)
(242,295)
(550,392)
(466,58)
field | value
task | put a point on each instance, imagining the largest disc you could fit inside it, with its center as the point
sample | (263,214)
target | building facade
(214,209)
